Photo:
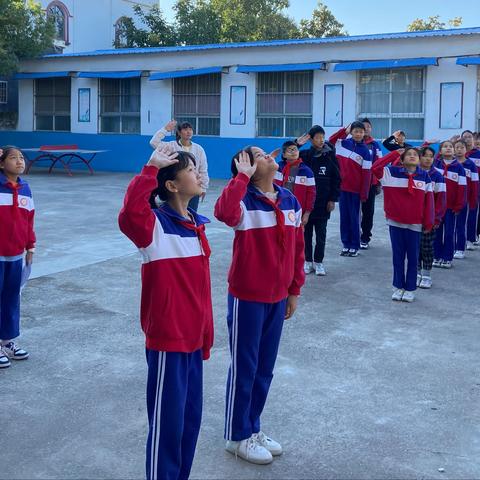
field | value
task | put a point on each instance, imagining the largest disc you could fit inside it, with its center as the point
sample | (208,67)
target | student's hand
(291,306)
(432,141)
(455,138)
(170,126)
(1,152)
(163,157)
(348,129)
(244,166)
(305,218)
(275,153)
(330,206)
(400,151)
(303,139)
(202,196)
(396,134)
(29,258)
(427,230)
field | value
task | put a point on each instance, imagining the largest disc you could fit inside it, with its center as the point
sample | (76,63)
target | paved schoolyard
(364,387)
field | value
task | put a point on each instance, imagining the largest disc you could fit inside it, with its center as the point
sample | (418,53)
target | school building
(425,83)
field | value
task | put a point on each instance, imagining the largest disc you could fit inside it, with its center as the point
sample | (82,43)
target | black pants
(368,210)
(425,259)
(320,226)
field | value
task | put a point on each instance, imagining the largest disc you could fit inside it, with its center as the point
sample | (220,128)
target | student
(396,141)
(456,182)
(265,279)
(471,205)
(473,224)
(368,207)
(355,164)
(176,305)
(408,204)
(183,142)
(425,259)
(17,240)
(296,177)
(320,157)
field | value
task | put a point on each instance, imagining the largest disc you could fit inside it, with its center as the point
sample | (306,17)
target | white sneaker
(408,296)
(14,352)
(250,450)
(471,246)
(426,282)
(320,269)
(419,279)
(437,263)
(477,242)
(446,264)
(364,246)
(271,445)
(308,267)
(459,254)
(4,360)
(397,294)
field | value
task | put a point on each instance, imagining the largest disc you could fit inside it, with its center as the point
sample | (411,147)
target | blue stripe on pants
(10,278)
(444,239)
(350,220)
(174,406)
(254,330)
(461,229)
(405,243)
(472,224)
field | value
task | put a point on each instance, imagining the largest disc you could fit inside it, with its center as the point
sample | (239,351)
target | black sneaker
(14,352)
(353,253)
(344,252)
(364,246)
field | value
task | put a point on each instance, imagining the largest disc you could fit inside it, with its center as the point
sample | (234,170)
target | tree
(25,33)
(433,23)
(322,24)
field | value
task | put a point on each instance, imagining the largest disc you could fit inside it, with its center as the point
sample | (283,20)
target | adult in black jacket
(396,141)
(320,157)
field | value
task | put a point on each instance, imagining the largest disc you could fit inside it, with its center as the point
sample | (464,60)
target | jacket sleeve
(203,168)
(440,199)
(366,179)
(298,269)
(31,232)
(340,135)
(157,139)
(429,210)
(381,163)
(461,197)
(473,190)
(227,208)
(136,219)
(389,143)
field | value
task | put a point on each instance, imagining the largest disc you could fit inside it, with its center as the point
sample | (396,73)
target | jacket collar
(4,180)
(168,210)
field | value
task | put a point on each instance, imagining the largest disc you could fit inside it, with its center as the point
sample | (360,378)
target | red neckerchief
(200,231)
(411,183)
(287,167)
(280,220)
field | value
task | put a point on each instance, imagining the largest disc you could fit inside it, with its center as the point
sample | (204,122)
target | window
(120,105)
(197,100)
(121,32)
(284,103)
(3,91)
(52,104)
(59,13)
(393,100)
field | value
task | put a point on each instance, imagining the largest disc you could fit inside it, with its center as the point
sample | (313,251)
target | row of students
(176,308)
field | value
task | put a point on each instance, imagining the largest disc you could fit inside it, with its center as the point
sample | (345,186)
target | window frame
(66,15)
(54,113)
(4,88)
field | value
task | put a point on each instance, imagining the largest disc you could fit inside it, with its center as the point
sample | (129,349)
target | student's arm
(461,197)
(207,341)
(157,139)
(228,209)
(203,169)
(440,199)
(340,135)
(429,209)
(390,144)
(31,238)
(298,271)
(473,192)
(381,163)
(335,180)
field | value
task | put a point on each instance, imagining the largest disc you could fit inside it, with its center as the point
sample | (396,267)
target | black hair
(180,127)
(466,131)
(170,173)
(357,125)
(401,132)
(288,143)
(446,141)
(316,129)
(233,167)
(6,150)
(424,149)
(366,120)
(463,142)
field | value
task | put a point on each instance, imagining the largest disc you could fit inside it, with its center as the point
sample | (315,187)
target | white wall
(25,105)
(84,127)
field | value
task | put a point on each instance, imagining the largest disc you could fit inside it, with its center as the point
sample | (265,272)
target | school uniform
(368,207)
(17,235)
(473,225)
(269,236)
(324,166)
(391,144)
(176,317)
(470,208)
(409,209)
(355,163)
(456,183)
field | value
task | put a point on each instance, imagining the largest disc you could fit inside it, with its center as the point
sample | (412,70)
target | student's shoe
(471,246)
(250,450)
(271,445)
(459,254)
(437,263)
(308,267)
(320,269)
(344,252)
(446,264)
(477,242)
(426,282)
(13,352)
(4,360)
(408,297)
(353,253)
(397,294)
(419,279)
(364,246)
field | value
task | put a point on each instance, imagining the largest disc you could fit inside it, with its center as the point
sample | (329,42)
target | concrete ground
(364,387)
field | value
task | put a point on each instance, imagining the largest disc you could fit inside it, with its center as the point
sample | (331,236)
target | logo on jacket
(303,179)
(454,176)
(419,184)
(23,202)
(359,158)
(291,216)
(322,171)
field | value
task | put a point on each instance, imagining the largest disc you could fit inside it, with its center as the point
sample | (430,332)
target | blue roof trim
(273,43)
(130,74)
(287,67)
(184,73)
(378,64)
(468,61)
(29,76)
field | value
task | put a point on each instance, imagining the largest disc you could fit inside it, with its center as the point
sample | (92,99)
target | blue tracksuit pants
(461,230)
(472,224)
(174,406)
(10,278)
(444,244)
(350,220)
(254,332)
(405,244)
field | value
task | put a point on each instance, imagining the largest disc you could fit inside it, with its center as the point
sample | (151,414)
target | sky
(379,16)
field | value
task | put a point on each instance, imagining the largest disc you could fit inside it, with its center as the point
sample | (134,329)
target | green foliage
(433,23)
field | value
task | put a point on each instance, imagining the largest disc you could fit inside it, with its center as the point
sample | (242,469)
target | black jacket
(325,168)
(391,144)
